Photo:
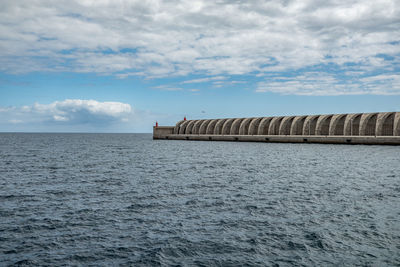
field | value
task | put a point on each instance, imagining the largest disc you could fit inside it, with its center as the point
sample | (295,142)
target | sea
(128,200)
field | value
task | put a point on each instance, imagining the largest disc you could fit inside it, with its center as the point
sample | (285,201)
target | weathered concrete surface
(182,127)
(196,127)
(211,126)
(203,127)
(322,127)
(365,140)
(235,126)
(263,128)
(162,132)
(226,129)
(284,128)
(253,127)
(189,128)
(219,125)
(244,126)
(335,128)
(309,125)
(297,125)
(274,126)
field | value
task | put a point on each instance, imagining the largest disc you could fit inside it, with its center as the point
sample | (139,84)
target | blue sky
(119,66)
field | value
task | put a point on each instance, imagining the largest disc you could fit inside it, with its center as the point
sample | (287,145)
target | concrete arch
(211,126)
(368,124)
(323,123)
(235,127)
(274,126)
(244,126)
(263,128)
(196,127)
(286,125)
(253,127)
(183,126)
(297,125)
(203,127)
(189,127)
(218,126)
(385,124)
(310,124)
(178,124)
(396,126)
(337,124)
(226,129)
(352,124)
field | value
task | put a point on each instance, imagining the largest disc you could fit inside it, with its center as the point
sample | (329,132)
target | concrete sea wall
(359,128)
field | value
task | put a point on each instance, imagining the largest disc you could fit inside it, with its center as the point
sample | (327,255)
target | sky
(122,65)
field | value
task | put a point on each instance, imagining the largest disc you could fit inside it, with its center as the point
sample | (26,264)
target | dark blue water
(124,199)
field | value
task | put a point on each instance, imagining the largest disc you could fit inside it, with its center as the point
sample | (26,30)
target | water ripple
(124,199)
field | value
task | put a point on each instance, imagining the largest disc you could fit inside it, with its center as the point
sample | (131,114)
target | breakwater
(357,128)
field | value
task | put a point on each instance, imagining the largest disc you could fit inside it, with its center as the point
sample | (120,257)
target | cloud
(70,113)
(203,80)
(167,88)
(81,111)
(317,83)
(78,115)
(154,38)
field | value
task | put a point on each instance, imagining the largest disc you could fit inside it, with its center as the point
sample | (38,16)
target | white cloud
(77,109)
(154,38)
(203,80)
(77,115)
(316,83)
(71,113)
(167,88)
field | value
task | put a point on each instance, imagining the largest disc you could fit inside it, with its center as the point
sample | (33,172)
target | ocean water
(124,199)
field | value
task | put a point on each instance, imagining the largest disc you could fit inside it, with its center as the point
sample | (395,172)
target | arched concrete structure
(323,123)
(286,125)
(310,124)
(203,127)
(211,126)
(274,126)
(244,126)
(352,124)
(336,126)
(368,124)
(363,128)
(263,128)
(297,125)
(226,129)
(178,124)
(235,127)
(253,127)
(385,124)
(219,125)
(183,126)
(396,127)
(189,127)
(196,127)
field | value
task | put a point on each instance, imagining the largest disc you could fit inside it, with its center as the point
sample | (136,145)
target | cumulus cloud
(154,38)
(70,113)
(78,111)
